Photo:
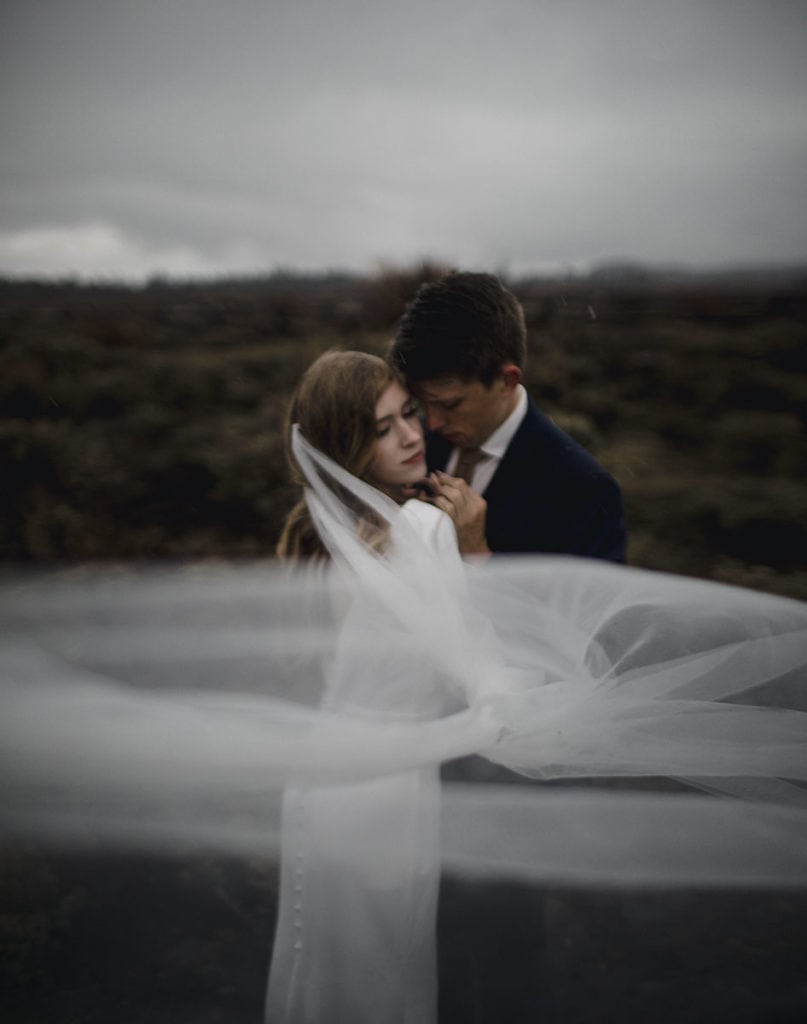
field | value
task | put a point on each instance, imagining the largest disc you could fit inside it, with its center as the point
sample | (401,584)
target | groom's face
(466,412)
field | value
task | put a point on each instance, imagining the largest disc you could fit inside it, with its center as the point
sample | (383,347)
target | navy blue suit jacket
(548,494)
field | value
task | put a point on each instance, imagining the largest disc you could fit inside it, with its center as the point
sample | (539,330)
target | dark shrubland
(146,423)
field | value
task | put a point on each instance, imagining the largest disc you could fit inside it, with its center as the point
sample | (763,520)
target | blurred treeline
(143,423)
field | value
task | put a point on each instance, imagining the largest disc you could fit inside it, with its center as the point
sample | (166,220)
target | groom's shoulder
(540,432)
(554,453)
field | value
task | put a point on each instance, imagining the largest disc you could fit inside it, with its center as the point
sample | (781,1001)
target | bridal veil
(179,705)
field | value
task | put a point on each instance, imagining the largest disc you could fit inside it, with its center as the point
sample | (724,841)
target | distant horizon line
(608,269)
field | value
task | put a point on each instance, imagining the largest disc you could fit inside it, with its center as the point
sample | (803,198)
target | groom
(511,480)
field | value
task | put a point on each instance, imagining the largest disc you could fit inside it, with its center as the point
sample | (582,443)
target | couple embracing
(493,475)
(508,478)
(550,667)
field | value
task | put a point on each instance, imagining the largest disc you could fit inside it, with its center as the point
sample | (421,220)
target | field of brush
(147,423)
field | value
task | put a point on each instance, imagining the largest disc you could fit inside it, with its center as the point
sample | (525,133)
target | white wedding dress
(365,854)
(254,710)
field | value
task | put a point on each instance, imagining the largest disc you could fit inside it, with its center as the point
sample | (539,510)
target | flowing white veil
(175,705)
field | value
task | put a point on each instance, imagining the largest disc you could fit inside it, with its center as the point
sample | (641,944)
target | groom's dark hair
(464,325)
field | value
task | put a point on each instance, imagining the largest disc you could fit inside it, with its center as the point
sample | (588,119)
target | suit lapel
(511,466)
(509,475)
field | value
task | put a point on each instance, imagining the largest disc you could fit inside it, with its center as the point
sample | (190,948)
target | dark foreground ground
(96,939)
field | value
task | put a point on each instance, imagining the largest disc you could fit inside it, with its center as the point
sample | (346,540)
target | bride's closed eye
(410,411)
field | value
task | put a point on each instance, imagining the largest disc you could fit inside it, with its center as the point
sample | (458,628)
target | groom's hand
(467,509)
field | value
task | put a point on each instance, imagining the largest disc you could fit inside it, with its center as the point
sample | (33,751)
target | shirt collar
(496,444)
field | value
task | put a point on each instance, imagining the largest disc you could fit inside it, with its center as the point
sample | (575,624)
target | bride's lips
(417,457)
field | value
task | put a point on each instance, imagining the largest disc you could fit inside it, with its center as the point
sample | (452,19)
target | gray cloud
(199,136)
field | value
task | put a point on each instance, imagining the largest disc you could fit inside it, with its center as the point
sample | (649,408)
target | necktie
(466,463)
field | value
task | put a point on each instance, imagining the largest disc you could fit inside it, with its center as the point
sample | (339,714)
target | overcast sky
(193,137)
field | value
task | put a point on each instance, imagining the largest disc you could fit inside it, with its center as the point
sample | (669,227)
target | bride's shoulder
(432,524)
(421,513)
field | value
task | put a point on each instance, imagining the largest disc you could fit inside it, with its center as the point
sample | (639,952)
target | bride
(171,705)
(367,852)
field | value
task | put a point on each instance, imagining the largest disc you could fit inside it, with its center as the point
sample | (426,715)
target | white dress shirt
(494,447)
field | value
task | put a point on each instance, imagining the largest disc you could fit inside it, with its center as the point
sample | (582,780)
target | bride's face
(399,458)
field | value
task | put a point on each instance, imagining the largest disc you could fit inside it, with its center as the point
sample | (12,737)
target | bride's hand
(467,509)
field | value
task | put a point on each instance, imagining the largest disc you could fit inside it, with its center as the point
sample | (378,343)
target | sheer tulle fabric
(179,705)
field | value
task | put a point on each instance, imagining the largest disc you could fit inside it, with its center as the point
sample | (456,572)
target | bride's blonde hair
(334,404)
